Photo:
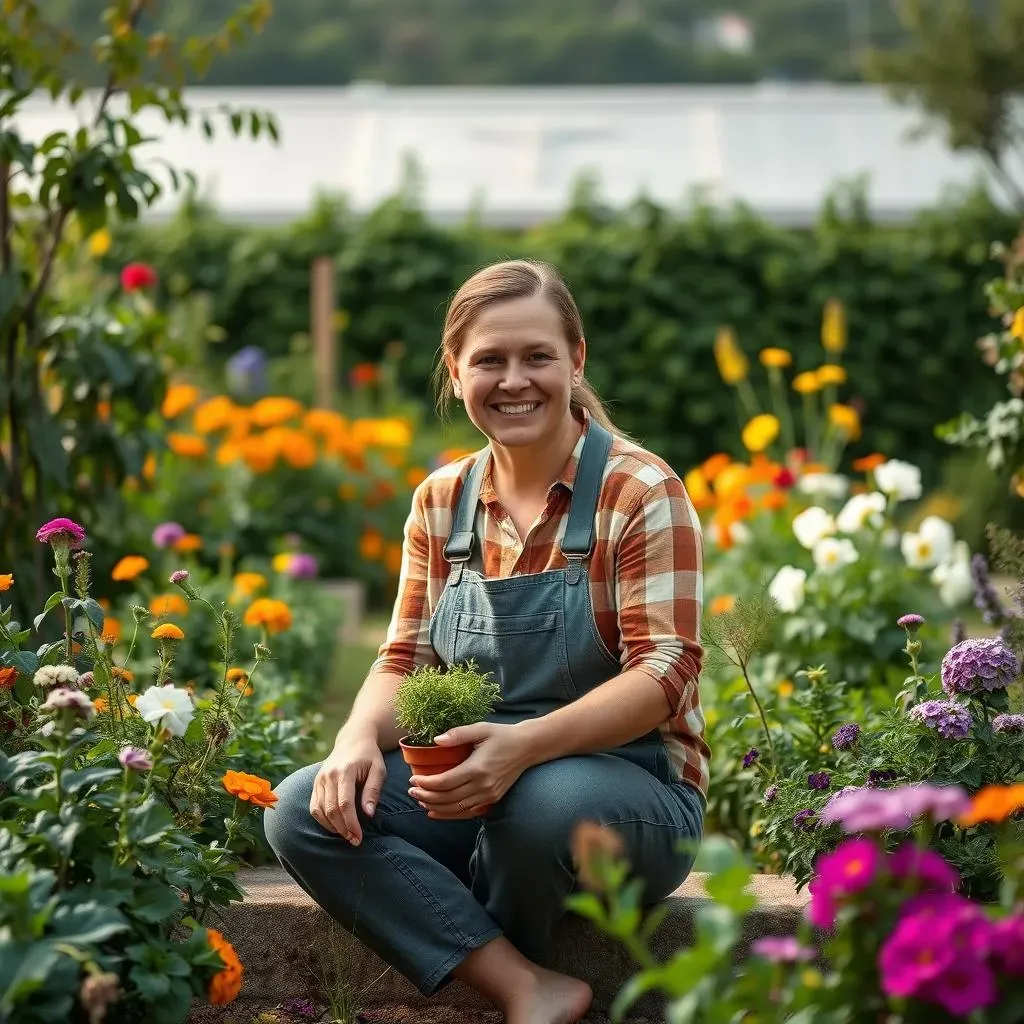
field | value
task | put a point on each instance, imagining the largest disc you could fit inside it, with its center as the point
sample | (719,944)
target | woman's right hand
(353,770)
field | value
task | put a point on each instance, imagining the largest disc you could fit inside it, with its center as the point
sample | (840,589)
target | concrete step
(290,947)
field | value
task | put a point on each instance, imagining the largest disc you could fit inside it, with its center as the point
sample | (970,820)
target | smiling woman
(565,562)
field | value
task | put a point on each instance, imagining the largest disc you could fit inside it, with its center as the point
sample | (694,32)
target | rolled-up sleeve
(407,645)
(659,591)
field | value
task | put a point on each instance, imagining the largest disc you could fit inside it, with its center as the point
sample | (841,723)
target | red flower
(784,479)
(136,276)
(364,374)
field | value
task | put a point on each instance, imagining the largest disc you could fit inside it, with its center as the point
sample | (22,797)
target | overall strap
(459,545)
(578,541)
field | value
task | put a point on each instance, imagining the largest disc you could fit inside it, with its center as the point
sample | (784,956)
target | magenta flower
(61,531)
(915,953)
(165,535)
(985,663)
(852,866)
(781,949)
(822,909)
(135,759)
(910,622)
(302,566)
(967,985)
(1007,939)
(924,866)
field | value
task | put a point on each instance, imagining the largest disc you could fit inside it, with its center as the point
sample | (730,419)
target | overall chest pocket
(525,654)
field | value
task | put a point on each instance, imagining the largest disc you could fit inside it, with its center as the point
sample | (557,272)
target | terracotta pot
(434,760)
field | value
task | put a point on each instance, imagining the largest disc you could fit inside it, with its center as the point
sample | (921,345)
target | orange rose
(227,983)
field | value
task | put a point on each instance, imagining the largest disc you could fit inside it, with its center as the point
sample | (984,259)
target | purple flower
(871,810)
(985,597)
(803,819)
(846,736)
(165,535)
(879,776)
(135,759)
(771,793)
(63,698)
(751,756)
(299,1007)
(951,720)
(781,949)
(819,780)
(246,371)
(61,531)
(302,566)
(1008,723)
(957,632)
(924,866)
(985,663)
(179,575)
(911,622)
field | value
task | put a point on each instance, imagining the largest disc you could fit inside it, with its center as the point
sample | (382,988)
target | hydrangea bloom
(984,663)
(1008,723)
(951,720)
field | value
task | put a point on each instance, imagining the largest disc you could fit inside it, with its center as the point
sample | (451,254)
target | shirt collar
(567,477)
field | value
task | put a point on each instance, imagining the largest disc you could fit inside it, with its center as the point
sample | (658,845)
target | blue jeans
(423,893)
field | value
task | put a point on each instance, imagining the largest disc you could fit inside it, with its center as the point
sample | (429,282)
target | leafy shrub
(430,702)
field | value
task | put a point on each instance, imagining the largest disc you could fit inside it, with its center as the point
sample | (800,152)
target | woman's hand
(355,764)
(483,778)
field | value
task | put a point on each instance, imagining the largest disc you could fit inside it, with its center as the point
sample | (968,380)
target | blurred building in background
(512,154)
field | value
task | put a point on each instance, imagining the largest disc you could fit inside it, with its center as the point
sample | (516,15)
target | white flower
(931,545)
(168,707)
(890,537)
(61,698)
(831,553)
(811,525)
(787,588)
(55,675)
(861,511)
(824,485)
(899,480)
(953,576)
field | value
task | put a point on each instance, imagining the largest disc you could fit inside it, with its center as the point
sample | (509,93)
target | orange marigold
(298,449)
(249,582)
(6,581)
(188,446)
(179,397)
(227,983)
(415,476)
(260,455)
(168,631)
(275,615)
(273,410)
(126,675)
(129,567)
(722,604)
(101,705)
(249,787)
(236,674)
(214,414)
(393,558)
(869,463)
(371,545)
(993,803)
(188,543)
(7,677)
(168,604)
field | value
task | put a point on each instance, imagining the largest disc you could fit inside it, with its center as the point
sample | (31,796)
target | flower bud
(96,994)
(140,613)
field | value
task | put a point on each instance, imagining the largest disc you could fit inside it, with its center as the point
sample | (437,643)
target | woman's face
(516,371)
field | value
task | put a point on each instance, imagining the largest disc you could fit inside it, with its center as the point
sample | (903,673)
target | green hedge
(653,285)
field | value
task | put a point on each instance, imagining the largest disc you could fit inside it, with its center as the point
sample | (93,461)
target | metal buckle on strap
(572,577)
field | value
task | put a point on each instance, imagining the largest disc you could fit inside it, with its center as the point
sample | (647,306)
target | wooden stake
(325,342)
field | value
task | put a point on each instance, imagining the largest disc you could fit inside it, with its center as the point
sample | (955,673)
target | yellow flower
(282,561)
(188,446)
(833,326)
(214,414)
(168,631)
(168,604)
(348,492)
(6,581)
(190,542)
(1017,328)
(698,490)
(732,363)
(99,243)
(830,373)
(731,481)
(806,383)
(248,583)
(275,615)
(811,978)
(786,688)
(129,567)
(275,410)
(777,358)
(268,706)
(846,419)
(760,432)
(757,828)
(179,397)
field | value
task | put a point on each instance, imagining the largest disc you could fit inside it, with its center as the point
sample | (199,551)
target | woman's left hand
(483,778)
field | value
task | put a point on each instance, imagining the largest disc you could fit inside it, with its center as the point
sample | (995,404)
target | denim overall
(424,893)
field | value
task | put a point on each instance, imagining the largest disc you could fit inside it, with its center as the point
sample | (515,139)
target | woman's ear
(579,360)
(453,375)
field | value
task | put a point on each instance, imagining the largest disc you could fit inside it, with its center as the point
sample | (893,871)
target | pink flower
(924,866)
(135,759)
(1008,944)
(179,575)
(852,866)
(61,530)
(781,949)
(872,810)
(63,698)
(916,952)
(822,909)
(136,276)
(968,985)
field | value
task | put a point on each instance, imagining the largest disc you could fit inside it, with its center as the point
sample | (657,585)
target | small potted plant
(430,702)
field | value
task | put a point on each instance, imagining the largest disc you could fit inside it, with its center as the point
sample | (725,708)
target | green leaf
(51,602)
(87,923)
(44,436)
(154,902)
(93,612)
(25,661)
(151,986)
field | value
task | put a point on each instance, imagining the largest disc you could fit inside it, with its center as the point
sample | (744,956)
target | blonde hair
(514,279)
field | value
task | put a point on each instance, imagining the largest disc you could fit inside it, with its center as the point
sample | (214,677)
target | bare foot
(553,999)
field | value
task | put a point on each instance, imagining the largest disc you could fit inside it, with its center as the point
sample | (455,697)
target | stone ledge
(290,947)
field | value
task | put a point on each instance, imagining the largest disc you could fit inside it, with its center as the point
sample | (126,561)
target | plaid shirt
(645,571)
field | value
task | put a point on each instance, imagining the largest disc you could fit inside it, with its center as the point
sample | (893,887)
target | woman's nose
(515,378)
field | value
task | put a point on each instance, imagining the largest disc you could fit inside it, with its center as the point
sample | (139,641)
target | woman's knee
(285,822)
